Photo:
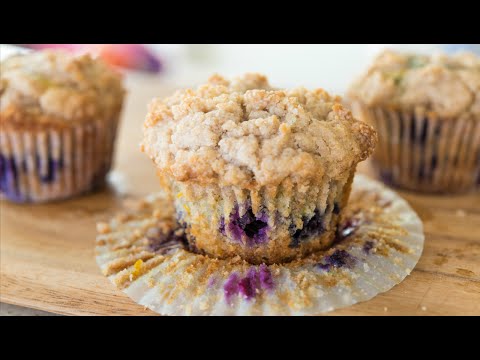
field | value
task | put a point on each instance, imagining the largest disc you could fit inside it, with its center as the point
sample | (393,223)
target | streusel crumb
(48,85)
(447,85)
(244,132)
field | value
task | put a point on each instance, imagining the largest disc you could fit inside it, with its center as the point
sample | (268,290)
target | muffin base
(379,242)
(422,152)
(56,162)
(261,226)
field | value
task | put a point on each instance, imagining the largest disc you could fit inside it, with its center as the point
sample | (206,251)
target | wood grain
(47,261)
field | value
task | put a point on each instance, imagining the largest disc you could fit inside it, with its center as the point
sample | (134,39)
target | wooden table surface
(47,260)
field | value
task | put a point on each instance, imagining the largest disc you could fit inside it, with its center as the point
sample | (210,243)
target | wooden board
(47,260)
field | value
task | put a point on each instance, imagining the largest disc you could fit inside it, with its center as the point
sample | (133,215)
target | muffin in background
(254,171)
(58,121)
(426,110)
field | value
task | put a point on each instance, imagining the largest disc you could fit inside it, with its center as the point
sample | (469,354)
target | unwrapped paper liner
(379,242)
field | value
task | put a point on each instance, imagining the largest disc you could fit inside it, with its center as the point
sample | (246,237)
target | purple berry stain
(255,281)
(249,284)
(9,179)
(160,242)
(249,228)
(221,227)
(230,288)
(265,276)
(211,282)
(311,227)
(339,259)
(53,166)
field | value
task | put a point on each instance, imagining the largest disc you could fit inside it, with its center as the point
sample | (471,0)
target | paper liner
(211,215)
(419,151)
(55,163)
(379,243)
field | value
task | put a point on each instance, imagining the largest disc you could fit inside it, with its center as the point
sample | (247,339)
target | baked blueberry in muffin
(256,171)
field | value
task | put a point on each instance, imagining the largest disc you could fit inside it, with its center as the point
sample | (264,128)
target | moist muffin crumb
(249,166)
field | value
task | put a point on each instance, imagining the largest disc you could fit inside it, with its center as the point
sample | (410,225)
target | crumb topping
(60,85)
(446,85)
(244,132)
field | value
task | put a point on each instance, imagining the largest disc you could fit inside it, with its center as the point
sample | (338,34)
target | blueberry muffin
(255,171)
(58,117)
(426,110)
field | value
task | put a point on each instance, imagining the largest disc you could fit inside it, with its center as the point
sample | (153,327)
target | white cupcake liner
(208,211)
(418,150)
(55,163)
(370,258)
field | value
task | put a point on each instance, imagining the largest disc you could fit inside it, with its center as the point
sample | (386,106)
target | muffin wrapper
(205,209)
(56,163)
(420,151)
(379,243)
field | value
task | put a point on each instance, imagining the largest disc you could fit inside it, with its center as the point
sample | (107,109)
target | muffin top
(446,85)
(245,133)
(55,86)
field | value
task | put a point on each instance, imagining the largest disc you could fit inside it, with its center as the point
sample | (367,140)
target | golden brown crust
(449,86)
(245,133)
(17,117)
(54,87)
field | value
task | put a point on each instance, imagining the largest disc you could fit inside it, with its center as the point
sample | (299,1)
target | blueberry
(339,259)
(253,228)
(13,170)
(254,282)
(161,242)
(324,267)
(53,167)
(336,208)
(3,173)
(9,178)
(311,227)
(50,175)
(221,227)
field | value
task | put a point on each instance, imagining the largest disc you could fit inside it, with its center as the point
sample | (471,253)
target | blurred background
(330,66)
